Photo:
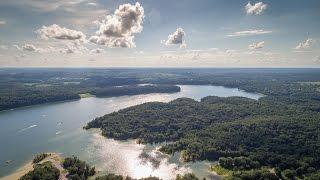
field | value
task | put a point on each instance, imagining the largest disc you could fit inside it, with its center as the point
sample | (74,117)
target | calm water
(57,127)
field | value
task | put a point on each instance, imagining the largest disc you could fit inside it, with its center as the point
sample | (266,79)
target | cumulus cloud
(255,9)
(249,33)
(176,38)
(33,48)
(255,46)
(71,49)
(68,50)
(56,32)
(97,51)
(118,29)
(17,46)
(305,44)
(3,22)
(30,47)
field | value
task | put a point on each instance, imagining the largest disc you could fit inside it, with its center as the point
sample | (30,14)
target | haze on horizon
(205,33)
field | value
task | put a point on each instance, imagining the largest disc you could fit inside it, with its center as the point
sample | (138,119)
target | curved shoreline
(53,157)
(20,172)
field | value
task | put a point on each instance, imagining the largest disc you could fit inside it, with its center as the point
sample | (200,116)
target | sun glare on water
(126,158)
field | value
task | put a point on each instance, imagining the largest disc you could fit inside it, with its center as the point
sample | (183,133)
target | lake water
(57,127)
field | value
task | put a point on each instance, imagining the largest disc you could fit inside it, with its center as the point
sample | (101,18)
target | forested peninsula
(24,96)
(279,132)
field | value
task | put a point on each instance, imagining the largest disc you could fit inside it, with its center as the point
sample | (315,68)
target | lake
(57,127)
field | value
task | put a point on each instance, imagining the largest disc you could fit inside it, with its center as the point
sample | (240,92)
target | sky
(153,33)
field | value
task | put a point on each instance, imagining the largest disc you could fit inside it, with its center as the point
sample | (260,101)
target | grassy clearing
(221,171)
(85,95)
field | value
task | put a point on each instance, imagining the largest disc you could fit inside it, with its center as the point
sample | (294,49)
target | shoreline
(24,169)
(20,171)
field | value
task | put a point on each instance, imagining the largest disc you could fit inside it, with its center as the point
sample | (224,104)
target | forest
(42,171)
(279,132)
(31,86)
(47,170)
(25,89)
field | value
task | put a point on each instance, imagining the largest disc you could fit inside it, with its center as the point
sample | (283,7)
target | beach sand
(19,172)
(53,157)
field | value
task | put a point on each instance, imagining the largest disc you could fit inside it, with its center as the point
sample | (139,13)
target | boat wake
(27,128)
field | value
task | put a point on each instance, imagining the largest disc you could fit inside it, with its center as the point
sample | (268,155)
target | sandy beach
(19,172)
(55,158)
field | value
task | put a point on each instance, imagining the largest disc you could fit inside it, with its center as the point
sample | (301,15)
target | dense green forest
(40,157)
(23,87)
(42,171)
(280,131)
(17,95)
(77,169)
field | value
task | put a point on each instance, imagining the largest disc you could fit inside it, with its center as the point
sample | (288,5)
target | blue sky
(166,33)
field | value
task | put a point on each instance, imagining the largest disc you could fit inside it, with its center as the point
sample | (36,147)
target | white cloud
(224,56)
(3,22)
(72,48)
(305,44)
(45,6)
(255,46)
(17,46)
(97,51)
(183,45)
(33,48)
(118,29)
(76,12)
(61,33)
(249,33)
(92,4)
(65,48)
(176,38)
(68,50)
(30,47)
(256,9)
